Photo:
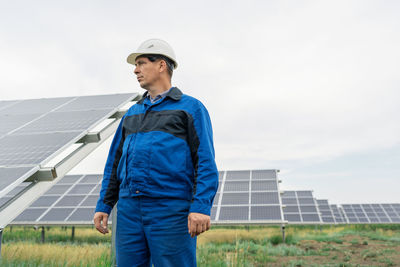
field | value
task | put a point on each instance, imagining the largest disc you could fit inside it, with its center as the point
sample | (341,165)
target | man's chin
(144,86)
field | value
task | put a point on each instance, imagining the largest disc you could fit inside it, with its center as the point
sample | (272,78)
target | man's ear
(163,65)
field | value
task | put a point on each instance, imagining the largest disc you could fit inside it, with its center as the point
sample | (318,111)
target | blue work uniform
(161,166)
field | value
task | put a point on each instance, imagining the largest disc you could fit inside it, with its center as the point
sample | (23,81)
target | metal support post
(42,234)
(73,233)
(113,234)
(283,233)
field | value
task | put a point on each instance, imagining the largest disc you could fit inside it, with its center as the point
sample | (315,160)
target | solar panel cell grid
(310,217)
(236,186)
(81,214)
(82,189)
(30,215)
(300,207)
(308,209)
(304,194)
(45,201)
(239,192)
(289,194)
(61,202)
(70,201)
(20,150)
(36,106)
(235,198)
(57,214)
(11,122)
(264,186)
(265,198)
(64,121)
(304,201)
(69,179)
(58,189)
(238,175)
(289,201)
(265,213)
(263,174)
(95,102)
(292,217)
(234,213)
(90,201)
(292,209)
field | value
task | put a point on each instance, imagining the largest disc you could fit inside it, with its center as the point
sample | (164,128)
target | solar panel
(6,104)
(17,150)
(300,207)
(247,196)
(36,106)
(34,131)
(371,213)
(9,175)
(64,121)
(337,214)
(72,200)
(325,211)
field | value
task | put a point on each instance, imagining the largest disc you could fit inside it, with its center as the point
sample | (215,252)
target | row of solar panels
(33,132)
(251,196)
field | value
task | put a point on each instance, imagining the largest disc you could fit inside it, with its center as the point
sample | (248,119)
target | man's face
(146,72)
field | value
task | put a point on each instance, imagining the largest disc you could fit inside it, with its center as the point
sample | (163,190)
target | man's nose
(136,70)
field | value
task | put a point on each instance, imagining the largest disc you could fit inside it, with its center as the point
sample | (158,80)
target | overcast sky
(308,87)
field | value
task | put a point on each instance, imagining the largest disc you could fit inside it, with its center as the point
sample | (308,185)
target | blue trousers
(154,231)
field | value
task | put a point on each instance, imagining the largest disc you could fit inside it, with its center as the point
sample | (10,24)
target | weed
(291,240)
(368,254)
(276,239)
(388,262)
(354,242)
(347,257)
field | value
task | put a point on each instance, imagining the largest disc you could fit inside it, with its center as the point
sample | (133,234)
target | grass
(351,245)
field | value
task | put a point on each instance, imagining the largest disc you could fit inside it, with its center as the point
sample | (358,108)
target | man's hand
(100,221)
(198,223)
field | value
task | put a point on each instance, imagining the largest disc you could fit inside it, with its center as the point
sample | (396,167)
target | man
(160,169)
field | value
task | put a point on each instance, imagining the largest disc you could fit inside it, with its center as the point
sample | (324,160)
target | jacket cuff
(101,207)
(199,208)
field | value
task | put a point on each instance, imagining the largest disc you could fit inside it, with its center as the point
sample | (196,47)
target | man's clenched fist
(100,221)
(198,223)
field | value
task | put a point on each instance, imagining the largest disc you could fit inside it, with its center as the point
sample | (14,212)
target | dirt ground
(354,251)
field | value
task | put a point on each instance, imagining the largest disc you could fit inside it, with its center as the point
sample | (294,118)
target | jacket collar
(174,94)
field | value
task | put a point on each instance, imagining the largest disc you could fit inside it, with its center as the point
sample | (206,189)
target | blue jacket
(162,150)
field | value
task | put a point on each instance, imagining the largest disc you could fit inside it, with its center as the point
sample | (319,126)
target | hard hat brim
(131,59)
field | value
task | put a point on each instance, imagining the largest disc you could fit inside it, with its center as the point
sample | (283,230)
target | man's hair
(170,63)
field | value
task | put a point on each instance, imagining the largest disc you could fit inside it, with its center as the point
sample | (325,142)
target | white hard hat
(153,47)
